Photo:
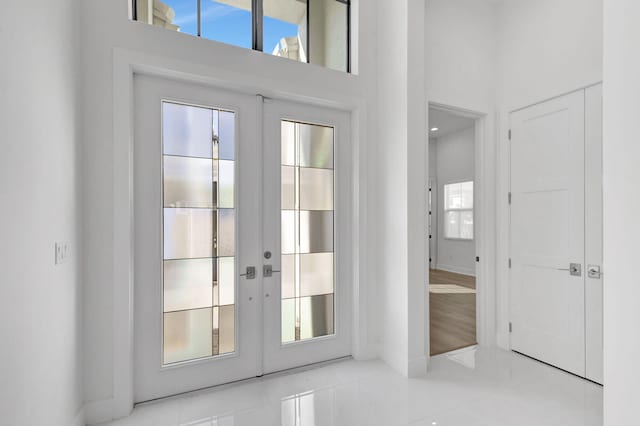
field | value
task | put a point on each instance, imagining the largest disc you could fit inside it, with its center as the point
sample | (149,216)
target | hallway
(452,313)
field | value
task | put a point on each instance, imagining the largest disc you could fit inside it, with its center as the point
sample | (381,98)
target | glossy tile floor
(466,388)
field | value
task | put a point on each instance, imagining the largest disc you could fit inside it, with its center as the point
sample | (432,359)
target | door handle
(574,269)
(250,273)
(593,271)
(267,271)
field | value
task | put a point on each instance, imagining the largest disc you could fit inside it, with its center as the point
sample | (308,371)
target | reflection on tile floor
(471,387)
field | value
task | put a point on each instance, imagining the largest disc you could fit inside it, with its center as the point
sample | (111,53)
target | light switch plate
(62,252)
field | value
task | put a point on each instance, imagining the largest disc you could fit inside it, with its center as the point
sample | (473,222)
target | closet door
(547,275)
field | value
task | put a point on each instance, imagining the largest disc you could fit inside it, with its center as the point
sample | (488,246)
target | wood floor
(452,315)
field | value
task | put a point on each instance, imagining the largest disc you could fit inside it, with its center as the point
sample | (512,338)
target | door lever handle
(250,273)
(267,271)
(574,269)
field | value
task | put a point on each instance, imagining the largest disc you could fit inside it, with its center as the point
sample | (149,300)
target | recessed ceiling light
(434,129)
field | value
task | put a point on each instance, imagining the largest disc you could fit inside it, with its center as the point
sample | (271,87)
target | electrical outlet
(62,252)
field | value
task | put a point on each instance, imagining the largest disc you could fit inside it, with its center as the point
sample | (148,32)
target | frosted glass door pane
(316,274)
(316,146)
(226,330)
(187,335)
(288,273)
(288,311)
(187,182)
(289,229)
(226,239)
(226,132)
(316,189)
(316,316)
(307,243)
(188,233)
(288,188)
(316,231)
(199,285)
(187,284)
(226,179)
(187,130)
(288,143)
(226,280)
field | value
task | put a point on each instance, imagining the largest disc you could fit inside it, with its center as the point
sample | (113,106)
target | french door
(238,205)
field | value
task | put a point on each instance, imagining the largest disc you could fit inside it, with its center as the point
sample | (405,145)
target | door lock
(267,271)
(250,273)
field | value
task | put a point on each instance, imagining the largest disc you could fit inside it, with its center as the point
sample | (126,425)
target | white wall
(402,128)
(40,307)
(460,49)
(546,48)
(455,158)
(108,32)
(621,204)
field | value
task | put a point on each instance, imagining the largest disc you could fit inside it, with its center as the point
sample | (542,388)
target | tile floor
(465,388)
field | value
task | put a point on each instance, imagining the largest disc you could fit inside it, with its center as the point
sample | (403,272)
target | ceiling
(446,123)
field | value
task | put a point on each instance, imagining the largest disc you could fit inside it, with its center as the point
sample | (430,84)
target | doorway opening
(452,205)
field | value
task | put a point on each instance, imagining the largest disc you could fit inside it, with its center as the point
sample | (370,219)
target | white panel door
(307,220)
(547,300)
(197,215)
(593,236)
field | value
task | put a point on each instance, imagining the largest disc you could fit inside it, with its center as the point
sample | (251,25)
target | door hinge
(510,327)
(509,263)
(509,134)
(509,197)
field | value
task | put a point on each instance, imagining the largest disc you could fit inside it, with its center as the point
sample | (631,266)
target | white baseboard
(79,419)
(98,411)
(457,269)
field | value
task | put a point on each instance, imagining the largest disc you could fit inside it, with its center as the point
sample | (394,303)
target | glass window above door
(312,31)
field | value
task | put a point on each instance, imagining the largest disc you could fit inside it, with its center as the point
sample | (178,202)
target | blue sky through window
(227,24)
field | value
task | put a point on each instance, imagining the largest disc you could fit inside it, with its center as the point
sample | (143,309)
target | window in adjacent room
(458,210)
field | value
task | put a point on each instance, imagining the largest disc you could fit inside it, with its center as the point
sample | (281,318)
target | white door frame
(433,217)
(126,64)
(483,196)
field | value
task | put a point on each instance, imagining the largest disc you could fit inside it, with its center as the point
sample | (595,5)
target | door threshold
(222,386)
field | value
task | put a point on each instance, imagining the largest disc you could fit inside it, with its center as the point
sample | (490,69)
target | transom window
(458,210)
(312,31)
